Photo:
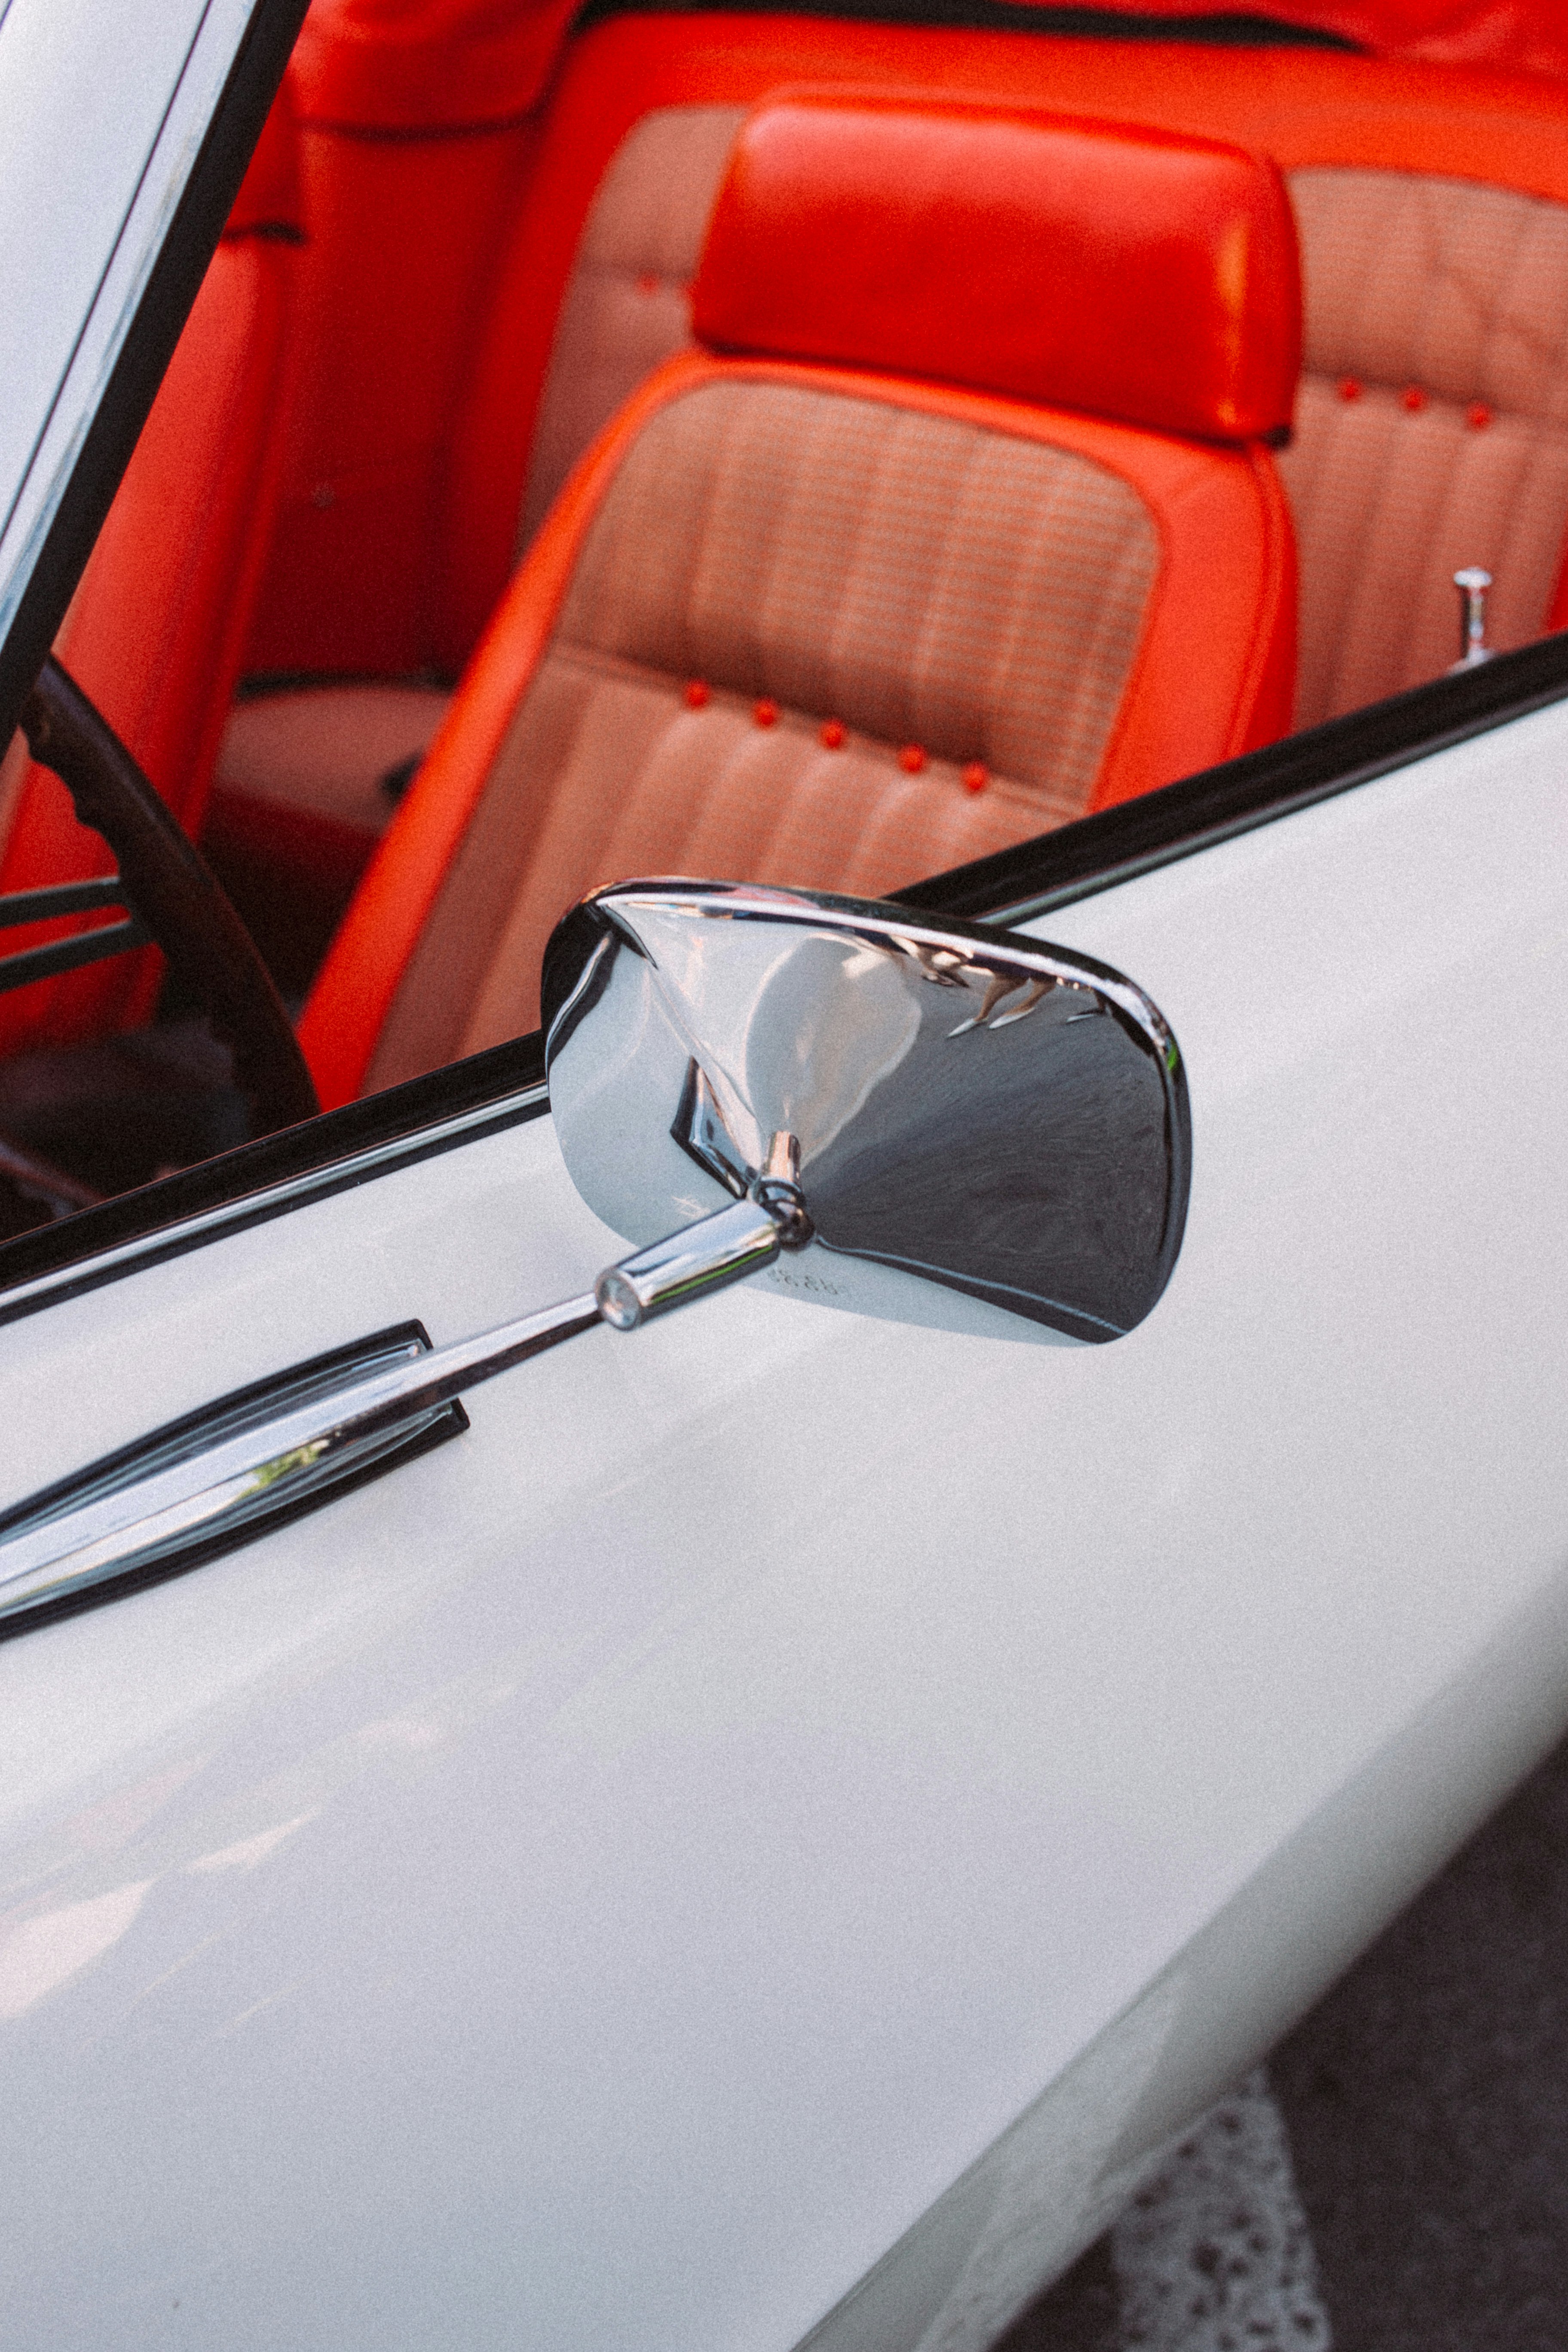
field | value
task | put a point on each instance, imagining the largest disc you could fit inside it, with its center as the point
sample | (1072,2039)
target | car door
(779,1819)
(767,1830)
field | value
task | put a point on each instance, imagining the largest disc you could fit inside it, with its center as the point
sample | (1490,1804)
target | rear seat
(1432,426)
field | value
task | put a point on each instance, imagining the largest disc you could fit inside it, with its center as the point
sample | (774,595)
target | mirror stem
(718,1250)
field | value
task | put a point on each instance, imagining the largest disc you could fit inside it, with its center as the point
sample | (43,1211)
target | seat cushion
(813,628)
(302,774)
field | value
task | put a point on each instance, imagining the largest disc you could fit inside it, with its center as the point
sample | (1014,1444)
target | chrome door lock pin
(1472,584)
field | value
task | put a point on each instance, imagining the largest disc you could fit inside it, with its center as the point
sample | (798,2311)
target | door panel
(604,1881)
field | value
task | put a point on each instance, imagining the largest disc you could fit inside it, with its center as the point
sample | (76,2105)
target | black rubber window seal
(1223,28)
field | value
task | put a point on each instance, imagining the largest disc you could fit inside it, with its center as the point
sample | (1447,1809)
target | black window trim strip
(1017,885)
(505,1086)
(1225,28)
(250,1186)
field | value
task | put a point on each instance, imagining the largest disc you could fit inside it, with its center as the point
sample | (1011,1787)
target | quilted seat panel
(627,304)
(1451,287)
(915,579)
(1432,423)
(1460,288)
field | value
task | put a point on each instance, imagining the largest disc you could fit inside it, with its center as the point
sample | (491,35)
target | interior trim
(172,287)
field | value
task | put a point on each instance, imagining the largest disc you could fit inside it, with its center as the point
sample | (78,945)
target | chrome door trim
(195,1489)
(237,1466)
(317,1181)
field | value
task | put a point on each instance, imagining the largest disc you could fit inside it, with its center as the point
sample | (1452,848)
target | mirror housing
(987,1133)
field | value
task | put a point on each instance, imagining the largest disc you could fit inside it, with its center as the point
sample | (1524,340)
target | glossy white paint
(603,1885)
(104,109)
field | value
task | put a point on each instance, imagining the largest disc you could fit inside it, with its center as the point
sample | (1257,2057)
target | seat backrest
(1432,423)
(154,633)
(839,599)
(1432,204)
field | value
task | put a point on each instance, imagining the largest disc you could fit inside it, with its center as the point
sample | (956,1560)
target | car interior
(763,446)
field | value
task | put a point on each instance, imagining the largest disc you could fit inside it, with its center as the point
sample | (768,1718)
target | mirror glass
(993,1132)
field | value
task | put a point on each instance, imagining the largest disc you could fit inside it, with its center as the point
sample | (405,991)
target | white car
(760,1825)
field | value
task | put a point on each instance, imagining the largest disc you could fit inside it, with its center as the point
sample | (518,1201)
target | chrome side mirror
(952,1125)
(926,1121)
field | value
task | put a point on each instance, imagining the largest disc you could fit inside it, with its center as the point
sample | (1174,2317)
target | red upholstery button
(912,759)
(832,733)
(766,713)
(1415,399)
(648,282)
(1349,388)
(975,778)
(697,694)
(1477,417)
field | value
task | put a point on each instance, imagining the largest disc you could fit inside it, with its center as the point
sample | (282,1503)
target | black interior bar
(21,969)
(17,907)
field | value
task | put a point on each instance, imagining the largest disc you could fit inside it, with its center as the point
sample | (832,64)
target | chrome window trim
(255,1208)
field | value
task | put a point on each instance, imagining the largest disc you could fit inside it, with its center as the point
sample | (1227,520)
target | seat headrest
(1084,264)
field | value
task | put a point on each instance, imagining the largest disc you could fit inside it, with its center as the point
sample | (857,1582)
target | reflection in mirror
(990,1133)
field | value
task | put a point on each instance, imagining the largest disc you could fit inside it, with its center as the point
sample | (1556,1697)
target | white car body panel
(604,1883)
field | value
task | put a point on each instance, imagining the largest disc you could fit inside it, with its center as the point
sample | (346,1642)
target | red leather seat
(156,628)
(1431,202)
(1432,207)
(931,546)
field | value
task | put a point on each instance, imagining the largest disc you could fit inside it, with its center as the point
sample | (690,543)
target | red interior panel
(425,65)
(154,631)
(415,133)
(402,230)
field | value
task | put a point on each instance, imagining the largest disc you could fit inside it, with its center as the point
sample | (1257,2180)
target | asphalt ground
(1396,2181)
